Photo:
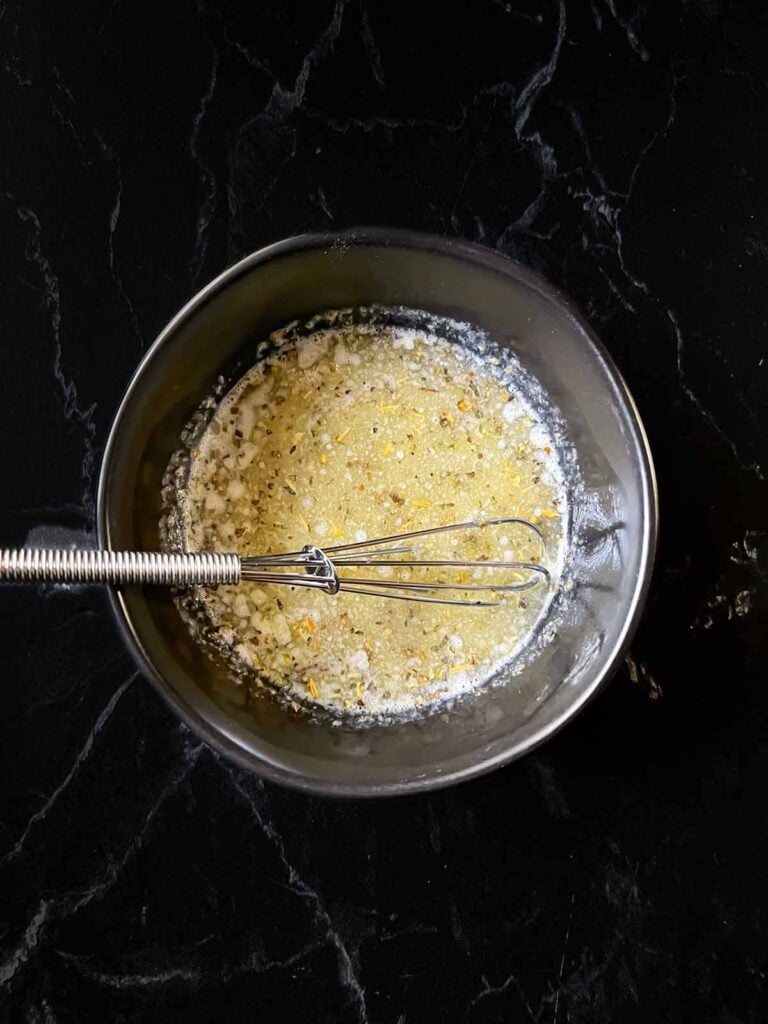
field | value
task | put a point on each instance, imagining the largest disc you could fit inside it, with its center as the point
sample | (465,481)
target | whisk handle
(33,565)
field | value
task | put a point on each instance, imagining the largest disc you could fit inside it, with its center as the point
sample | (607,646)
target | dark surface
(622,151)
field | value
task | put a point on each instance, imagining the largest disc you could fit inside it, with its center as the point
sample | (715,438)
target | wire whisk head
(400,568)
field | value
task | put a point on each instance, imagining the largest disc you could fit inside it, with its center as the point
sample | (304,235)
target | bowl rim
(193,717)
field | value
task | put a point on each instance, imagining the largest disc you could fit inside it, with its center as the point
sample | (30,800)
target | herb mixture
(355,434)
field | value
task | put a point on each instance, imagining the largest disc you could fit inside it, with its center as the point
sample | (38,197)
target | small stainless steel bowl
(614,526)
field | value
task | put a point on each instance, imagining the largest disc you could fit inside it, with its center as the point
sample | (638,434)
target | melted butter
(358,434)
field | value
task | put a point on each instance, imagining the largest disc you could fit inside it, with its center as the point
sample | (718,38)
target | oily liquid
(361,433)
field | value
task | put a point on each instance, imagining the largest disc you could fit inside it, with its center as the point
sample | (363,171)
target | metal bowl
(614,523)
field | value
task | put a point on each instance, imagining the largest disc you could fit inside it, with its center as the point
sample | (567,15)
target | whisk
(313,567)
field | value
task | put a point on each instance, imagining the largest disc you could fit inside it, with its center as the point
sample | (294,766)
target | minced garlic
(361,433)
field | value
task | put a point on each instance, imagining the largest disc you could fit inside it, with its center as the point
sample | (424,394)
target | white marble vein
(16,959)
(80,759)
(347,973)
(522,107)
(562,960)
(605,207)
(70,903)
(371,49)
(322,202)
(67,119)
(82,417)
(11,59)
(540,79)
(628,25)
(705,414)
(208,181)
(190,976)
(498,990)
(114,218)
(284,102)
(274,120)
(605,210)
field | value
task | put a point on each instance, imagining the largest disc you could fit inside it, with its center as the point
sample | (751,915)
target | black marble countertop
(621,149)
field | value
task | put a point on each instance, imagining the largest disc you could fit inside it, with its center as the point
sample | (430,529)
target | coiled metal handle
(30,565)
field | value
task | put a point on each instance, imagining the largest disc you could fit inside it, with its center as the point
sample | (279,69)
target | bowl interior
(613,525)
